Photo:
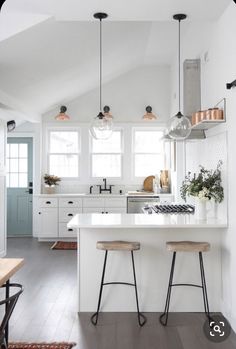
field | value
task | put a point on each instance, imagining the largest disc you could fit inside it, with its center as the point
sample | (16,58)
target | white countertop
(117,220)
(101,195)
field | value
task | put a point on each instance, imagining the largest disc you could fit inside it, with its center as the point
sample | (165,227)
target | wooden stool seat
(118,245)
(187,246)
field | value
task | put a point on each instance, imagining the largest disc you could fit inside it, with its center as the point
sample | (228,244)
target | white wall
(218,54)
(127,96)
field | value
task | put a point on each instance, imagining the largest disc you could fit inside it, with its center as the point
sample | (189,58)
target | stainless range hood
(191,94)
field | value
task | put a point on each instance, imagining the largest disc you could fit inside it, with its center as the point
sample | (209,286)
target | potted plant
(50,182)
(204,186)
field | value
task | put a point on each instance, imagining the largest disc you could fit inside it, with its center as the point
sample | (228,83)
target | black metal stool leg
(204,288)
(141,318)
(166,311)
(7,296)
(94,317)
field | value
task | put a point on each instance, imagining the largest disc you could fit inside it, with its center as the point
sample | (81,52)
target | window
(17,165)
(64,150)
(148,152)
(106,157)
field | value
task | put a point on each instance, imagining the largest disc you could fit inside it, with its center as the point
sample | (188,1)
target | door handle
(30,191)
(70,214)
(48,202)
(70,202)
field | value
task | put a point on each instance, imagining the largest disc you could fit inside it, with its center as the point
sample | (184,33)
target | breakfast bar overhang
(152,261)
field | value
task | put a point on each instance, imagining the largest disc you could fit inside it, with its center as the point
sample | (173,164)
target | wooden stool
(186,246)
(118,246)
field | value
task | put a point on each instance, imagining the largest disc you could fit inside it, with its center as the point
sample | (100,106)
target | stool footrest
(118,283)
(94,319)
(194,285)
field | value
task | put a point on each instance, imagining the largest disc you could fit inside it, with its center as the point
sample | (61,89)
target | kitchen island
(152,261)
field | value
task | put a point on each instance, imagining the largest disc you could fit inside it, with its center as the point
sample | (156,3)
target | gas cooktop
(169,208)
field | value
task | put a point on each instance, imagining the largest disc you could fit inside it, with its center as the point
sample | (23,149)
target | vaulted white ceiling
(49,48)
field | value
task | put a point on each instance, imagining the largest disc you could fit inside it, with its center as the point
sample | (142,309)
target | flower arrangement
(51,180)
(205,185)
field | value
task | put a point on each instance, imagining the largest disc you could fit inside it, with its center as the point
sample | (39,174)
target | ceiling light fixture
(101,127)
(62,116)
(179,126)
(1,3)
(149,115)
(11,125)
(106,112)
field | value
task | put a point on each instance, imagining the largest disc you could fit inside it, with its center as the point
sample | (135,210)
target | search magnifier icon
(216,328)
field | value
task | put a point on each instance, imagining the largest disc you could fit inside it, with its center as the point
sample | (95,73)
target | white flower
(203,194)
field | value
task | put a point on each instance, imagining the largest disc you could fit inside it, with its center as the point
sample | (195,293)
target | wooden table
(8,267)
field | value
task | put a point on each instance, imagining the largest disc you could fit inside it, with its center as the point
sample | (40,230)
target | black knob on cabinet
(40,212)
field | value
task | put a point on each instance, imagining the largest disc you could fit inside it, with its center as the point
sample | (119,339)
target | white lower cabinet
(48,222)
(65,232)
(104,205)
(53,213)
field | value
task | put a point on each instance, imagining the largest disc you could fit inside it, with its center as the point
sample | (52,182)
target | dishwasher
(135,204)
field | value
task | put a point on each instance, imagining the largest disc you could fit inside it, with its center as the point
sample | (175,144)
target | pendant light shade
(62,116)
(179,126)
(102,126)
(149,114)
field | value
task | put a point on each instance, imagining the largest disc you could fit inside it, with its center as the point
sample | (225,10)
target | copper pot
(193,119)
(198,116)
(203,115)
(216,114)
(208,114)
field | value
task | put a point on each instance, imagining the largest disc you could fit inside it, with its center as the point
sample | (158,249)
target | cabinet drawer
(70,202)
(115,202)
(66,214)
(93,210)
(66,232)
(93,202)
(48,202)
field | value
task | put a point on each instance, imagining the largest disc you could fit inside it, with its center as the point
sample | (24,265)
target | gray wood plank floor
(46,310)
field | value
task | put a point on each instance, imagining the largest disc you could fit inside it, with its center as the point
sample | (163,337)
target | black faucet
(90,189)
(101,190)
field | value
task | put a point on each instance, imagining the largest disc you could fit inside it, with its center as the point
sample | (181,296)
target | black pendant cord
(100,88)
(179,65)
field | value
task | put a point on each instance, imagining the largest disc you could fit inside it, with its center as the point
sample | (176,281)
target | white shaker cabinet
(104,205)
(48,222)
(68,207)
(53,214)
(47,217)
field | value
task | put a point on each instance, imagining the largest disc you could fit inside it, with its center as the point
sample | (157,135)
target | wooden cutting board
(148,183)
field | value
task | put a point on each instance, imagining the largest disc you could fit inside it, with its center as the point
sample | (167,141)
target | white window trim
(115,179)
(137,179)
(63,129)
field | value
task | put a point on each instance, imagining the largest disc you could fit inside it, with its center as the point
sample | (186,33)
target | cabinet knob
(70,202)
(39,212)
(48,202)
(70,214)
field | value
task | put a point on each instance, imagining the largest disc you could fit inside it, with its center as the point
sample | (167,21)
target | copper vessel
(216,114)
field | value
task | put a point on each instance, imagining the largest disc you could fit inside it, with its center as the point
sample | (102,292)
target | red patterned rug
(54,345)
(64,245)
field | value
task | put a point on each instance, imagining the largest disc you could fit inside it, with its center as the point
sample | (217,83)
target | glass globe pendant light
(101,127)
(179,126)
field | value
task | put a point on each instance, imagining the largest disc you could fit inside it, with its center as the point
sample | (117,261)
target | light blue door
(19,186)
